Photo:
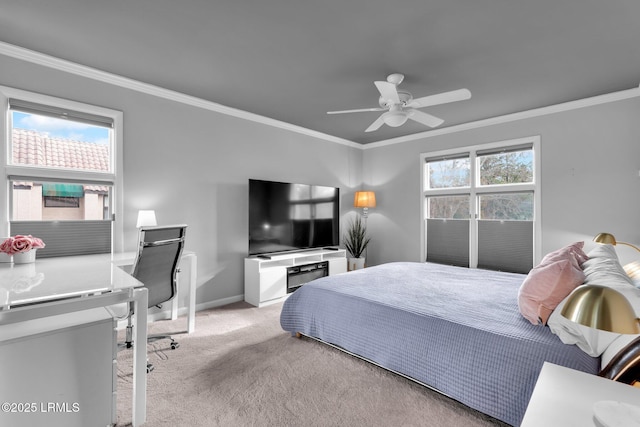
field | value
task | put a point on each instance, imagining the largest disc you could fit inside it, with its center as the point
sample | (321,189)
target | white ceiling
(295,60)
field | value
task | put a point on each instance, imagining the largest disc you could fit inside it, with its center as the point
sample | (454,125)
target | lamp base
(610,413)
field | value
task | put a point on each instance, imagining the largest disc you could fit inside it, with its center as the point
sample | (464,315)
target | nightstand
(565,397)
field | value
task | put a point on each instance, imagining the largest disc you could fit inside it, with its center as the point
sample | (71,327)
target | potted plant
(356,241)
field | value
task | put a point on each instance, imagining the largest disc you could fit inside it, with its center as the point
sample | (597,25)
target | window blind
(505,245)
(65,180)
(509,149)
(448,241)
(60,113)
(456,156)
(65,238)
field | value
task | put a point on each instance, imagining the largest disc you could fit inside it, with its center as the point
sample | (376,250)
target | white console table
(265,278)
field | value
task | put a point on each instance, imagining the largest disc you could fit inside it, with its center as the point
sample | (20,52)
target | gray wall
(192,165)
(590,182)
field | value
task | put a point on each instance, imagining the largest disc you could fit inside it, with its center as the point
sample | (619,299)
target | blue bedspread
(455,329)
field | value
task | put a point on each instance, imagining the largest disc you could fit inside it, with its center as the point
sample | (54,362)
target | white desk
(53,286)
(564,397)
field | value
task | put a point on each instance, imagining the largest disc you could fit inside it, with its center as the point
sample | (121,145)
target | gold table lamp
(609,239)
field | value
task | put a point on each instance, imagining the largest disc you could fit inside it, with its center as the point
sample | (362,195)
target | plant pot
(356,264)
(25,257)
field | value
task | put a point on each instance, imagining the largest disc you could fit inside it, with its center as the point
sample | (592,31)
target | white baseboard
(215,303)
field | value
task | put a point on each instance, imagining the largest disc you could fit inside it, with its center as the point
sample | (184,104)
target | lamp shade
(605,239)
(603,308)
(608,239)
(146,218)
(364,199)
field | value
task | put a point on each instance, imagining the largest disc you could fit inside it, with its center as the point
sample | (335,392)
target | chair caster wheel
(150,367)
(174,345)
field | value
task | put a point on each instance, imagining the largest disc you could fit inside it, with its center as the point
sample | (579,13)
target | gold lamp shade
(605,239)
(603,308)
(609,239)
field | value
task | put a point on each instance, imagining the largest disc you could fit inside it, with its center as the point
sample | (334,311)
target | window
(448,173)
(61,163)
(481,206)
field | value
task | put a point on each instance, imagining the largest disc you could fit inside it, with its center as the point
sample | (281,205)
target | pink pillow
(573,252)
(545,286)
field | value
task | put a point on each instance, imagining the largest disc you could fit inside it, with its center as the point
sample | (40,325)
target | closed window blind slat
(66,238)
(448,242)
(505,245)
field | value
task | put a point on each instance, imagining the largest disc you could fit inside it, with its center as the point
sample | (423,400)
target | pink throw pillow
(574,252)
(545,286)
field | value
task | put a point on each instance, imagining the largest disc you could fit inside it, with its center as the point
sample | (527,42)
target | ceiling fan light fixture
(401,105)
(395,118)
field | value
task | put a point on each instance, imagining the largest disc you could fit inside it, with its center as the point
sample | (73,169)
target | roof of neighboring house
(31,147)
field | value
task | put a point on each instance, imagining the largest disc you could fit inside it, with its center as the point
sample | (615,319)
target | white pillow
(602,268)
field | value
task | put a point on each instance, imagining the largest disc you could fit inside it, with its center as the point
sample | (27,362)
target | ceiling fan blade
(388,91)
(376,125)
(441,98)
(358,110)
(424,118)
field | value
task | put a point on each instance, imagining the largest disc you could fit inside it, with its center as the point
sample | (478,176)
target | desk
(564,397)
(126,259)
(54,286)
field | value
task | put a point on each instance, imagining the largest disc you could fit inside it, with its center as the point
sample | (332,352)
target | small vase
(25,257)
(5,257)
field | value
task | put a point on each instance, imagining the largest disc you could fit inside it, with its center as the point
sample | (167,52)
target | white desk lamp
(146,217)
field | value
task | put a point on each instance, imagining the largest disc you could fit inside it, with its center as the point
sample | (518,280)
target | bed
(456,330)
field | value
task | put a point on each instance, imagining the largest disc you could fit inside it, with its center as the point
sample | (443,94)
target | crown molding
(127,83)
(42,59)
(536,112)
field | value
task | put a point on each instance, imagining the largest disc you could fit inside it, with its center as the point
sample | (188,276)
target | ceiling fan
(399,105)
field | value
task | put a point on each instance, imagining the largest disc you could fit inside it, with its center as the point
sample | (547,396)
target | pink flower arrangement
(19,243)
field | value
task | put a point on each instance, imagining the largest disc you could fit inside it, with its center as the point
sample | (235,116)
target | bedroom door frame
(473,192)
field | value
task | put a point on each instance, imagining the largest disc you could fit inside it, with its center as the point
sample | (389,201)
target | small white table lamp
(146,217)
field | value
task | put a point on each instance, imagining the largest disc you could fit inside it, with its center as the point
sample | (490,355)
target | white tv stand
(265,279)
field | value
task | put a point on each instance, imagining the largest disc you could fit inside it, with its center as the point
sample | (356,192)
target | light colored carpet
(240,368)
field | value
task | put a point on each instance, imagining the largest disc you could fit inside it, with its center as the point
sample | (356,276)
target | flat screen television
(288,217)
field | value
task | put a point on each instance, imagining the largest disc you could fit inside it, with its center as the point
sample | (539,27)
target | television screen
(287,217)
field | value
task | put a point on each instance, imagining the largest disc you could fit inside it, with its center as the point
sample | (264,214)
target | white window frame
(475,190)
(115,176)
